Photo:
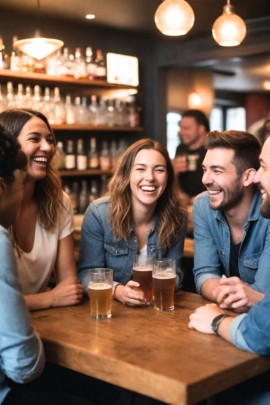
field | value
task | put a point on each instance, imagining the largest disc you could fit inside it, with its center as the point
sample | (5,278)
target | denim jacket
(212,245)
(100,248)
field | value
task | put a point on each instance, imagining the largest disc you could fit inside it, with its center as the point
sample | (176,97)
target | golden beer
(164,285)
(100,295)
(143,276)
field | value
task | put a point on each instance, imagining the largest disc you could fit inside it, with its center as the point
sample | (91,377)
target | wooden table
(150,352)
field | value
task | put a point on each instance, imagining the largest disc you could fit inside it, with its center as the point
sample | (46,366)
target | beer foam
(143,268)
(163,275)
(99,286)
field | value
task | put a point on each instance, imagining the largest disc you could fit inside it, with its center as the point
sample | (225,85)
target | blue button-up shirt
(212,245)
(21,352)
(100,247)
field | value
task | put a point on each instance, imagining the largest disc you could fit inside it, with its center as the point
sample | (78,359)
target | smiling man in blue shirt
(232,239)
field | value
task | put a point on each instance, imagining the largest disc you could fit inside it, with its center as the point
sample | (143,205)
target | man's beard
(265,207)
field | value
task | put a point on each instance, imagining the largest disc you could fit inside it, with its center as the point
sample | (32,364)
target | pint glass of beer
(164,278)
(142,273)
(100,283)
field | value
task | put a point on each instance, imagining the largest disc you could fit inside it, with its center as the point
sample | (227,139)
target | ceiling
(137,16)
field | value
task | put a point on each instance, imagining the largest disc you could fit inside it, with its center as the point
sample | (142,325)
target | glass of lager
(164,278)
(100,283)
(142,273)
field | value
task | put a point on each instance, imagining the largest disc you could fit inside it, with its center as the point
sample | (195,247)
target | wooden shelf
(94,128)
(88,172)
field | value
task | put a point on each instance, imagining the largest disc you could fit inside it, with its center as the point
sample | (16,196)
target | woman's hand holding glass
(129,294)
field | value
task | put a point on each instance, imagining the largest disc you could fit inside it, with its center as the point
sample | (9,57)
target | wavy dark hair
(48,192)
(171,216)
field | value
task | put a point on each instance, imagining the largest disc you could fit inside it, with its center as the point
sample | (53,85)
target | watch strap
(216,322)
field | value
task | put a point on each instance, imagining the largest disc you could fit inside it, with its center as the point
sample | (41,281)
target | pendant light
(174,17)
(38,47)
(229,29)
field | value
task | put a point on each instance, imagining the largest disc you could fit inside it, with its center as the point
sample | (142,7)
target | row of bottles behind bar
(81,159)
(81,64)
(119,112)
(83,192)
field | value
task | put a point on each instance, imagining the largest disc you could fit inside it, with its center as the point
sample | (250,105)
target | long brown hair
(171,216)
(48,192)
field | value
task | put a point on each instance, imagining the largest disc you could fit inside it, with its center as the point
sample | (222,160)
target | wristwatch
(216,322)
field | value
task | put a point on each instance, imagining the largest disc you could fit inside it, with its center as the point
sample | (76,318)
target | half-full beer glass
(100,283)
(142,273)
(164,278)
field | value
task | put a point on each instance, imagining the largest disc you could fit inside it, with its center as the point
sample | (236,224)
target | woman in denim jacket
(141,215)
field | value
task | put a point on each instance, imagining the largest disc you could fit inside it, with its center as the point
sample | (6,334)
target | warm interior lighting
(229,29)
(90,16)
(194,100)
(38,47)
(266,84)
(174,17)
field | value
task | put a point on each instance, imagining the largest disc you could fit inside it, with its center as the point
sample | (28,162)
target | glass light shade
(174,17)
(229,29)
(38,47)
(194,100)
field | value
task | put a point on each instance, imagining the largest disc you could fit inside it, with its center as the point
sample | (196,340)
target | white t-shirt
(35,268)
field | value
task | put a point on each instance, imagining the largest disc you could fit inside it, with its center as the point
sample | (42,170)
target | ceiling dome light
(194,100)
(229,29)
(90,16)
(174,17)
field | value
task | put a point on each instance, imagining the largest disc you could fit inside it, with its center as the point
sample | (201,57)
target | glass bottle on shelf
(59,115)
(4,63)
(3,104)
(53,64)
(79,65)
(64,61)
(37,99)
(19,97)
(10,100)
(70,159)
(101,67)
(48,107)
(105,158)
(93,111)
(110,115)
(81,111)
(91,66)
(81,156)
(15,57)
(93,194)
(28,98)
(83,197)
(93,158)
(102,112)
(133,113)
(69,111)
(60,156)
(74,196)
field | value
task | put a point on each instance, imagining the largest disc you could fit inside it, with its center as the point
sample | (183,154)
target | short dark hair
(199,117)
(11,156)
(246,147)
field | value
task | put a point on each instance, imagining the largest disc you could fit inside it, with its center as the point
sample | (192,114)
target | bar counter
(146,351)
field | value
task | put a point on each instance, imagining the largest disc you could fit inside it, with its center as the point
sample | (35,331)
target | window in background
(173,140)
(236,119)
(216,119)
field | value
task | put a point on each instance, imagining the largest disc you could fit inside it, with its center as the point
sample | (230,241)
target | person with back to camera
(194,126)
(21,351)
(141,215)
(250,331)
(42,233)
(231,238)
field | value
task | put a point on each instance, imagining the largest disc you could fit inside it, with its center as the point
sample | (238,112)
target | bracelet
(115,289)
(217,321)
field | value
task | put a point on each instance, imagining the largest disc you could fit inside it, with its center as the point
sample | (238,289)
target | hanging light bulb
(38,47)
(174,17)
(229,29)
(194,100)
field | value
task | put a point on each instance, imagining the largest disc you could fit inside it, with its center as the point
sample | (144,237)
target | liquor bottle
(79,65)
(3,103)
(83,198)
(4,63)
(93,195)
(37,99)
(15,65)
(105,158)
(69,111)
(58,108)
(10,96)
(93,111)
(60,156)
(110,115)
(101,68)
(93,159)
(28,98)
(91,66)
(19,97)
(81,111)
(133,113)
(70,160)
(48,107)
(81,156)
(74,196)
(102,112)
